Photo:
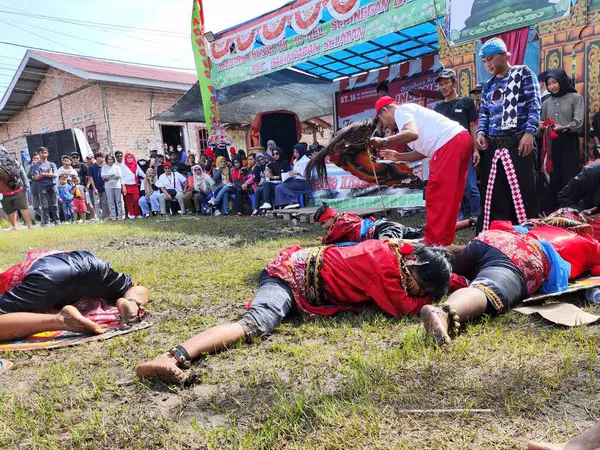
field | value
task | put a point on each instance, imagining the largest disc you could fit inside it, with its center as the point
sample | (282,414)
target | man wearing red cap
(449,148)
(348,227)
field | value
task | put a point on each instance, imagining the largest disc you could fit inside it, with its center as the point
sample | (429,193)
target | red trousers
(445,189)
(132,201)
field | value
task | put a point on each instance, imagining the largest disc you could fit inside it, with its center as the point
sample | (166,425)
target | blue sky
(138,46)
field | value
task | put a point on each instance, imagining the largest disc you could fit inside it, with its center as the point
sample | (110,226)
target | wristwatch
(385,142)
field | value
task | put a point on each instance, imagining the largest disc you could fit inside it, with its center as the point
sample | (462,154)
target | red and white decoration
(306,18)
(342,9)
(271,31)
(389,74)
(502,154)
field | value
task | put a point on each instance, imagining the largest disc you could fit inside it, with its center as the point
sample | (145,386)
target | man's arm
(484,116)
(586,182)
(533,104)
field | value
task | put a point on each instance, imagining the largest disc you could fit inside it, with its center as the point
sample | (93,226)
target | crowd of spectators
(216,182)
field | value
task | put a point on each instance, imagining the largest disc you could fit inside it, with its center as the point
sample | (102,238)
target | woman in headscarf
(265,194)
(566,108)
(222,188)
(196,184)
(295,184)
(130,171)
(150,201)
(271,146)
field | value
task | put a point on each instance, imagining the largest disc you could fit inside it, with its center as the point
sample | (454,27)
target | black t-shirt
(461,110)
(82,172)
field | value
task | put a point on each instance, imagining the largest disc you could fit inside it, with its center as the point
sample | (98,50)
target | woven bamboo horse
(349,149)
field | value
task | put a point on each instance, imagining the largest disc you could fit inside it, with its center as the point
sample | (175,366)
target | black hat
(75,154)
(446,73)
(477,88)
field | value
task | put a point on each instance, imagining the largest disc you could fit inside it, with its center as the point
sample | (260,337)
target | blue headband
(494,46)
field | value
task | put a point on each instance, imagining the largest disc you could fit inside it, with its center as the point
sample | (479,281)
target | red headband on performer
(329,213)
(382,102)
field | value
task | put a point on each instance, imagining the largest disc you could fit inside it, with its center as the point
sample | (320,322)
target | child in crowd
(65,198)
(79,199)
(66,169)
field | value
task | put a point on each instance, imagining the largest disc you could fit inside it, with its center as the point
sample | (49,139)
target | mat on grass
(96,310)
(580,284)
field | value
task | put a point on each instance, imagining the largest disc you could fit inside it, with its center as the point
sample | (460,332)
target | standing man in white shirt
(170,184)
(449,148)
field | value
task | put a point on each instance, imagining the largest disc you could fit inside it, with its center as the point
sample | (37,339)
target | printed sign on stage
(359,104)
(474,19)
(236,58)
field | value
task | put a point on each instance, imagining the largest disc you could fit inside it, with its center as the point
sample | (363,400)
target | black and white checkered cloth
(511,98)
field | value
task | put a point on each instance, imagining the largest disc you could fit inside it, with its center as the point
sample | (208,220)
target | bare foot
(74,321)
(435,321)
(128,310)
(163,366)
(544,446)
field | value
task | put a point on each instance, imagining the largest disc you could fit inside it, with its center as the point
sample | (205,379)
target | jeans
(201,200)
(163,202)
(49,199)
(150,205)
(67,210)
(223,196)
(472,198)
(115,205)
(272,303)
(100,204)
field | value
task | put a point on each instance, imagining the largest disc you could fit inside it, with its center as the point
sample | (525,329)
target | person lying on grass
(348,227)
(392,275)
(506,265)
(589,440)
(52,280)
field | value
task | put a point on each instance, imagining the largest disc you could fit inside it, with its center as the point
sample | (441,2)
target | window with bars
(202,138)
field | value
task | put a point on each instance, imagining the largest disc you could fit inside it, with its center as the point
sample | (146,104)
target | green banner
(474,19)
(373,20)
(207,91)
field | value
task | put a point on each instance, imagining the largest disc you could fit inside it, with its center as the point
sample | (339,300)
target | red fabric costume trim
(345,229)
(15,274)
(523,250)
(353,278)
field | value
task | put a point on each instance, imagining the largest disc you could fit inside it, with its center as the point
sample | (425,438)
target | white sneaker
(131,216)
(217,213)
(292,206)
(266,206)
(212,201)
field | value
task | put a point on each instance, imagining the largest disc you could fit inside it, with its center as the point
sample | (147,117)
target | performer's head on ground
(325,215)
(494,55)
(431,268)
(448,84)
(385,108)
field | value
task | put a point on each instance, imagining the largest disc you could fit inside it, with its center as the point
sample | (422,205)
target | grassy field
(333,383)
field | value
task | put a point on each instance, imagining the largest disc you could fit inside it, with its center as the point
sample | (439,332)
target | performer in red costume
(348,227)
(56,280)
(391,275)
(506,266)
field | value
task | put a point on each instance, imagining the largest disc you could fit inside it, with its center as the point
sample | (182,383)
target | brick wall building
(112,102)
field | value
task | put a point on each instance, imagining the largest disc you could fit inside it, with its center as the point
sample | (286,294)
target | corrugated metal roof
(35,63)
(99,66)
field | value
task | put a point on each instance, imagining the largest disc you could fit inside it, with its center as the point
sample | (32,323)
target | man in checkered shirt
(508,121)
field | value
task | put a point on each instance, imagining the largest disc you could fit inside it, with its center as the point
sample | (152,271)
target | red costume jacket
(327,279)
(349,228)
(582,251)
